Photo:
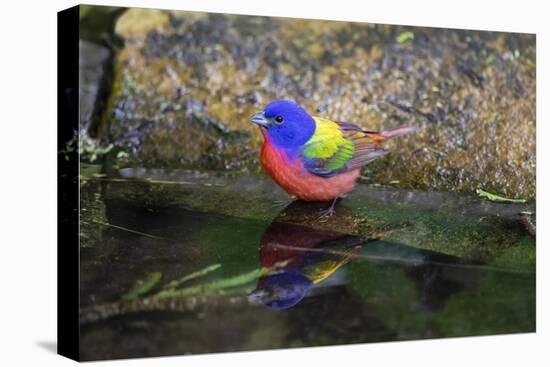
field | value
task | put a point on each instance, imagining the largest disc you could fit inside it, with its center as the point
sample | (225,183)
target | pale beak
(257,295)
(259,119)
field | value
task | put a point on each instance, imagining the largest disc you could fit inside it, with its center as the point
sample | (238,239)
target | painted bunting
(297,257)
(313,158)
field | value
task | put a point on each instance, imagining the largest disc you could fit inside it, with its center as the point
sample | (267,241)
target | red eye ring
(279,119)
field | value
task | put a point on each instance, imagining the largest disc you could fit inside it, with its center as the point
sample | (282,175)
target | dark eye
(279,119)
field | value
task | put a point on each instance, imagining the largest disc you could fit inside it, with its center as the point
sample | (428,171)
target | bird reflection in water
(297,251)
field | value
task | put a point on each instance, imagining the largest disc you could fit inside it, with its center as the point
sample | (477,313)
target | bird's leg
(330,211)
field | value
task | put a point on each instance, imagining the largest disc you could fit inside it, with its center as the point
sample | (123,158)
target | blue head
(282,290)
(285,124)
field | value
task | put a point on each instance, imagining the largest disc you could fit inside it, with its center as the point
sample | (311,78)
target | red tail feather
(397,131)
(389,133)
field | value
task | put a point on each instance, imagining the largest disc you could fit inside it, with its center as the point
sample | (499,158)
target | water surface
(193,262)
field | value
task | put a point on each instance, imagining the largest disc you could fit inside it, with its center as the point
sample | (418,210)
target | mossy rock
(186,84)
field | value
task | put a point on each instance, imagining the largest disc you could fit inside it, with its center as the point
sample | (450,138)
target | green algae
(143,286)
(188,277)
(218,286)
(461,234)
(474,310)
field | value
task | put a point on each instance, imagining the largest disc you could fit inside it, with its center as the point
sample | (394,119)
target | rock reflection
(298,251)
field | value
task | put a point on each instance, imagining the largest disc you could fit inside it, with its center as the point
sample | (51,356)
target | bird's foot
(325,214)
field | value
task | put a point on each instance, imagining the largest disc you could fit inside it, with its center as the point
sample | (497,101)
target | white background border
(28,182)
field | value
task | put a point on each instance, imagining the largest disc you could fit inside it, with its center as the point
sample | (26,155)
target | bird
(313,158)
(297,256)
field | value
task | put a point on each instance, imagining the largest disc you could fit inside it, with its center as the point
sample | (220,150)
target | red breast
(295,179)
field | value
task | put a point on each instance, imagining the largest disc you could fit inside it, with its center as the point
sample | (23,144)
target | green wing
(338,147)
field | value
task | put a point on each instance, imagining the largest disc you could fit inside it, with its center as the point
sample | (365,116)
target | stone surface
(94,71)
(186,83)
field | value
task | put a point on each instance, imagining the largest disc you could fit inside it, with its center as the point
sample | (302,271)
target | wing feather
(338,147)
